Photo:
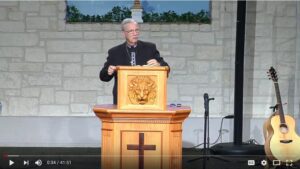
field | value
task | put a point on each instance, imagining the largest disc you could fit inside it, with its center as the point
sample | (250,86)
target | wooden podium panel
(141,139)
(142,87)
(151,149)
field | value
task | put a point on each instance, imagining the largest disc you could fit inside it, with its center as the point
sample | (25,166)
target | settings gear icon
(264,162)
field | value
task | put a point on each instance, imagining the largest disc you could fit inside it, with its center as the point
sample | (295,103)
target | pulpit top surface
(144,67)
(110,113)
(111,108)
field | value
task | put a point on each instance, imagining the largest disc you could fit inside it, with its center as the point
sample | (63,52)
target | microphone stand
(206,127)
(206,138)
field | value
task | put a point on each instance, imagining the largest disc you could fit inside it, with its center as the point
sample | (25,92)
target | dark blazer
(119,56)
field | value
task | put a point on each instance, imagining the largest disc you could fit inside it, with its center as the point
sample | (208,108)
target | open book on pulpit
(142,87)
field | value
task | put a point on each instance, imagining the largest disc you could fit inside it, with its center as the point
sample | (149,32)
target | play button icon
(10,163)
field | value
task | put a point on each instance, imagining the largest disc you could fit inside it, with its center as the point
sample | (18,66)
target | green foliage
(117,14)
(73,14)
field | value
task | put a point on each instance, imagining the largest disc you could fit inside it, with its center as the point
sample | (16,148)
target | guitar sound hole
(283,128)
(286,141)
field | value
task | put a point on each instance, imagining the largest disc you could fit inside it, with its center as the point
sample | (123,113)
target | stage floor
(89,158)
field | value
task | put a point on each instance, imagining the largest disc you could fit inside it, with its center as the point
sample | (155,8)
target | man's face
(131,33)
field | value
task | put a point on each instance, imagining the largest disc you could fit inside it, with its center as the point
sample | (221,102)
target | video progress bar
(43,155)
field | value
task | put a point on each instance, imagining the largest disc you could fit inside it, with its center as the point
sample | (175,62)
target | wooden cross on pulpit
(141,147)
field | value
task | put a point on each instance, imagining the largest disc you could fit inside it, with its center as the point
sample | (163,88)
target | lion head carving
(142,90)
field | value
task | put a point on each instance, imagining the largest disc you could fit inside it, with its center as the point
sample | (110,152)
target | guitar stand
(206,156)
(274,108)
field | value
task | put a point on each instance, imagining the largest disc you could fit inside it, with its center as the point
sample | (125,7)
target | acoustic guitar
(281,140)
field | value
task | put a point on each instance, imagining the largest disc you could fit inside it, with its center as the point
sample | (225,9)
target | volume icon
(38,162)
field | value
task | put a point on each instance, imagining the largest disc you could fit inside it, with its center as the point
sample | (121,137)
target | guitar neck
(279,103)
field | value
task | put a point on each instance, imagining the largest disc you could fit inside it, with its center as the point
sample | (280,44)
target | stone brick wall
(272,41)
(49,67)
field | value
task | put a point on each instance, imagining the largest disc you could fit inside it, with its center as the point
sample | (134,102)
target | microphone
(205,96)
(206,101)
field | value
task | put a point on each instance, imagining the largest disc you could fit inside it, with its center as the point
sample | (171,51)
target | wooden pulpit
(141,132)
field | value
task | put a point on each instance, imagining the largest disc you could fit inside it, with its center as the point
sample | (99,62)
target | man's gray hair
(126,21)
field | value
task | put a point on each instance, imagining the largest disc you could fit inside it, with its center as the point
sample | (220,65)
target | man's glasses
(132,31)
